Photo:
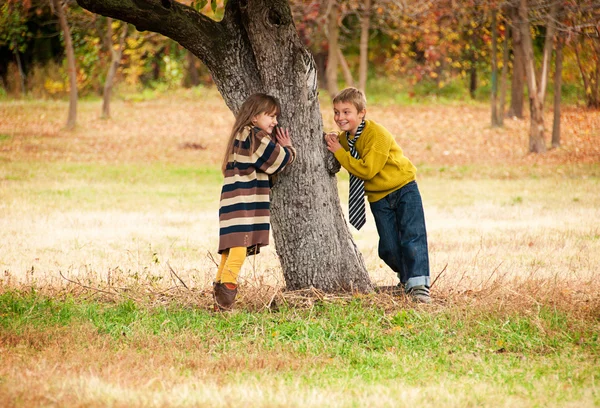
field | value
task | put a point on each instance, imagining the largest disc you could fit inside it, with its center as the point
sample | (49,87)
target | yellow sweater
(382,164)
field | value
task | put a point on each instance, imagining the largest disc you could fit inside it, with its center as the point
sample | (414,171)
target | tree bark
(518,77)
(365,20)
(72,68)
(332,56)
(256,48)
(115,61)
(557,92)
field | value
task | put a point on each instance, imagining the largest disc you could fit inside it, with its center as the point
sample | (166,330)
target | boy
(371,155)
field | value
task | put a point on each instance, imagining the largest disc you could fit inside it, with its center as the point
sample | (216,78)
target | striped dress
(244,214)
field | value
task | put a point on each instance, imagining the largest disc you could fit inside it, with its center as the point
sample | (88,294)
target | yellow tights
(231,262)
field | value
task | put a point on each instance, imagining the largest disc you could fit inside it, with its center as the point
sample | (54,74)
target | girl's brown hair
(255,105)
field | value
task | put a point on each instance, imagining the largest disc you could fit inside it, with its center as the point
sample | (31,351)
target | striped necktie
(356,200)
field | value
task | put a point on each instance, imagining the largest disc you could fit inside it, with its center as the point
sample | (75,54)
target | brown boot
(224,295)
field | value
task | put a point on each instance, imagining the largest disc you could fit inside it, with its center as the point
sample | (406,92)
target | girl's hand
(283,137)
(333,143)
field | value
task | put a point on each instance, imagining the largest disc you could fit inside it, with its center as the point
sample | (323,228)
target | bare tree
(255,48)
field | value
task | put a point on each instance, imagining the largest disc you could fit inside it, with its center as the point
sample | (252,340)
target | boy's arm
(373,157)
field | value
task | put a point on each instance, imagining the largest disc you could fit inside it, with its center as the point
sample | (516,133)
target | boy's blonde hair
(354,96)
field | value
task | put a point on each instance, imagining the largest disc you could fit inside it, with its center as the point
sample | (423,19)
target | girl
(252,155)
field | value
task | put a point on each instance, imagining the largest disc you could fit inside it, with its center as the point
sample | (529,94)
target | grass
(358,349)
(99,228)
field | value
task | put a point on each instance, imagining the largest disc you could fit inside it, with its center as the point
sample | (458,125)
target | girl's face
(347,117)
(265,121)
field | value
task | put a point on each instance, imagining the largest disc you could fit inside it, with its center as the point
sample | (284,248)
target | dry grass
(510,226)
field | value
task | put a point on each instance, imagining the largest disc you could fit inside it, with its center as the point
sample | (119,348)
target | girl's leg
(232,266)
(222,265)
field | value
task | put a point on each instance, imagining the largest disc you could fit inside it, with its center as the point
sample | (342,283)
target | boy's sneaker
(419,294)
(224,295)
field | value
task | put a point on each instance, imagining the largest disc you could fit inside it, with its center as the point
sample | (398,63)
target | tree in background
(583,28)
(116,52)
(58,8)
(537,80)
(14,32)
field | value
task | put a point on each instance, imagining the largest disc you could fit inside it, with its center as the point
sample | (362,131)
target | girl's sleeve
(270,157)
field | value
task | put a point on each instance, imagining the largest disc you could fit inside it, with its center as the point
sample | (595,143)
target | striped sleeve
(270,157)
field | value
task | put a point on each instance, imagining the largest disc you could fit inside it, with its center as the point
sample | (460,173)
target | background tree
(536,82)
(116,52)
(58,8)
(14,32)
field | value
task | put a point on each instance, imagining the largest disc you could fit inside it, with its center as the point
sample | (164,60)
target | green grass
(543,357)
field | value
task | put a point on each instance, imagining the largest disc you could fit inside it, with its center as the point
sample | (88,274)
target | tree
(255,48)
(72,68)
(14,32)
(536,83)
(518,72)
(115,61)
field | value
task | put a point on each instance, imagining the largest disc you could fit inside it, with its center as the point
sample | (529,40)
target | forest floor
(107,248)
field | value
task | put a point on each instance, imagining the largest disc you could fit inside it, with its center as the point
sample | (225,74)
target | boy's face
(347,117)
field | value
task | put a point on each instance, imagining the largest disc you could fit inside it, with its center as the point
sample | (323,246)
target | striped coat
(244,214)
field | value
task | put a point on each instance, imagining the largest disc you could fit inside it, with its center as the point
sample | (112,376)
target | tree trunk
(557,92)
(332,56)
(504,77)
(256,48)
(518,77)
(345,68)
(473,78)
(494,56)
(115,61)
(363,66)
(72,68)
(536,91)
(21,73)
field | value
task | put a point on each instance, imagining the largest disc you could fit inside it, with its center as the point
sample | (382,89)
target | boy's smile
(347,117)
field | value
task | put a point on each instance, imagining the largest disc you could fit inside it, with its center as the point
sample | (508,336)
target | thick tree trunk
(332,56)
(518,76)
(365,20)
(72,68)
(557,92)
(256,48)
(115,61)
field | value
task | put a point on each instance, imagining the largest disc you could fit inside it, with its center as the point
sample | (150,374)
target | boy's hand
(333,143)
(283,137)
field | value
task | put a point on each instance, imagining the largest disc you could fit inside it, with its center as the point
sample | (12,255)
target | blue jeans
(400,223)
